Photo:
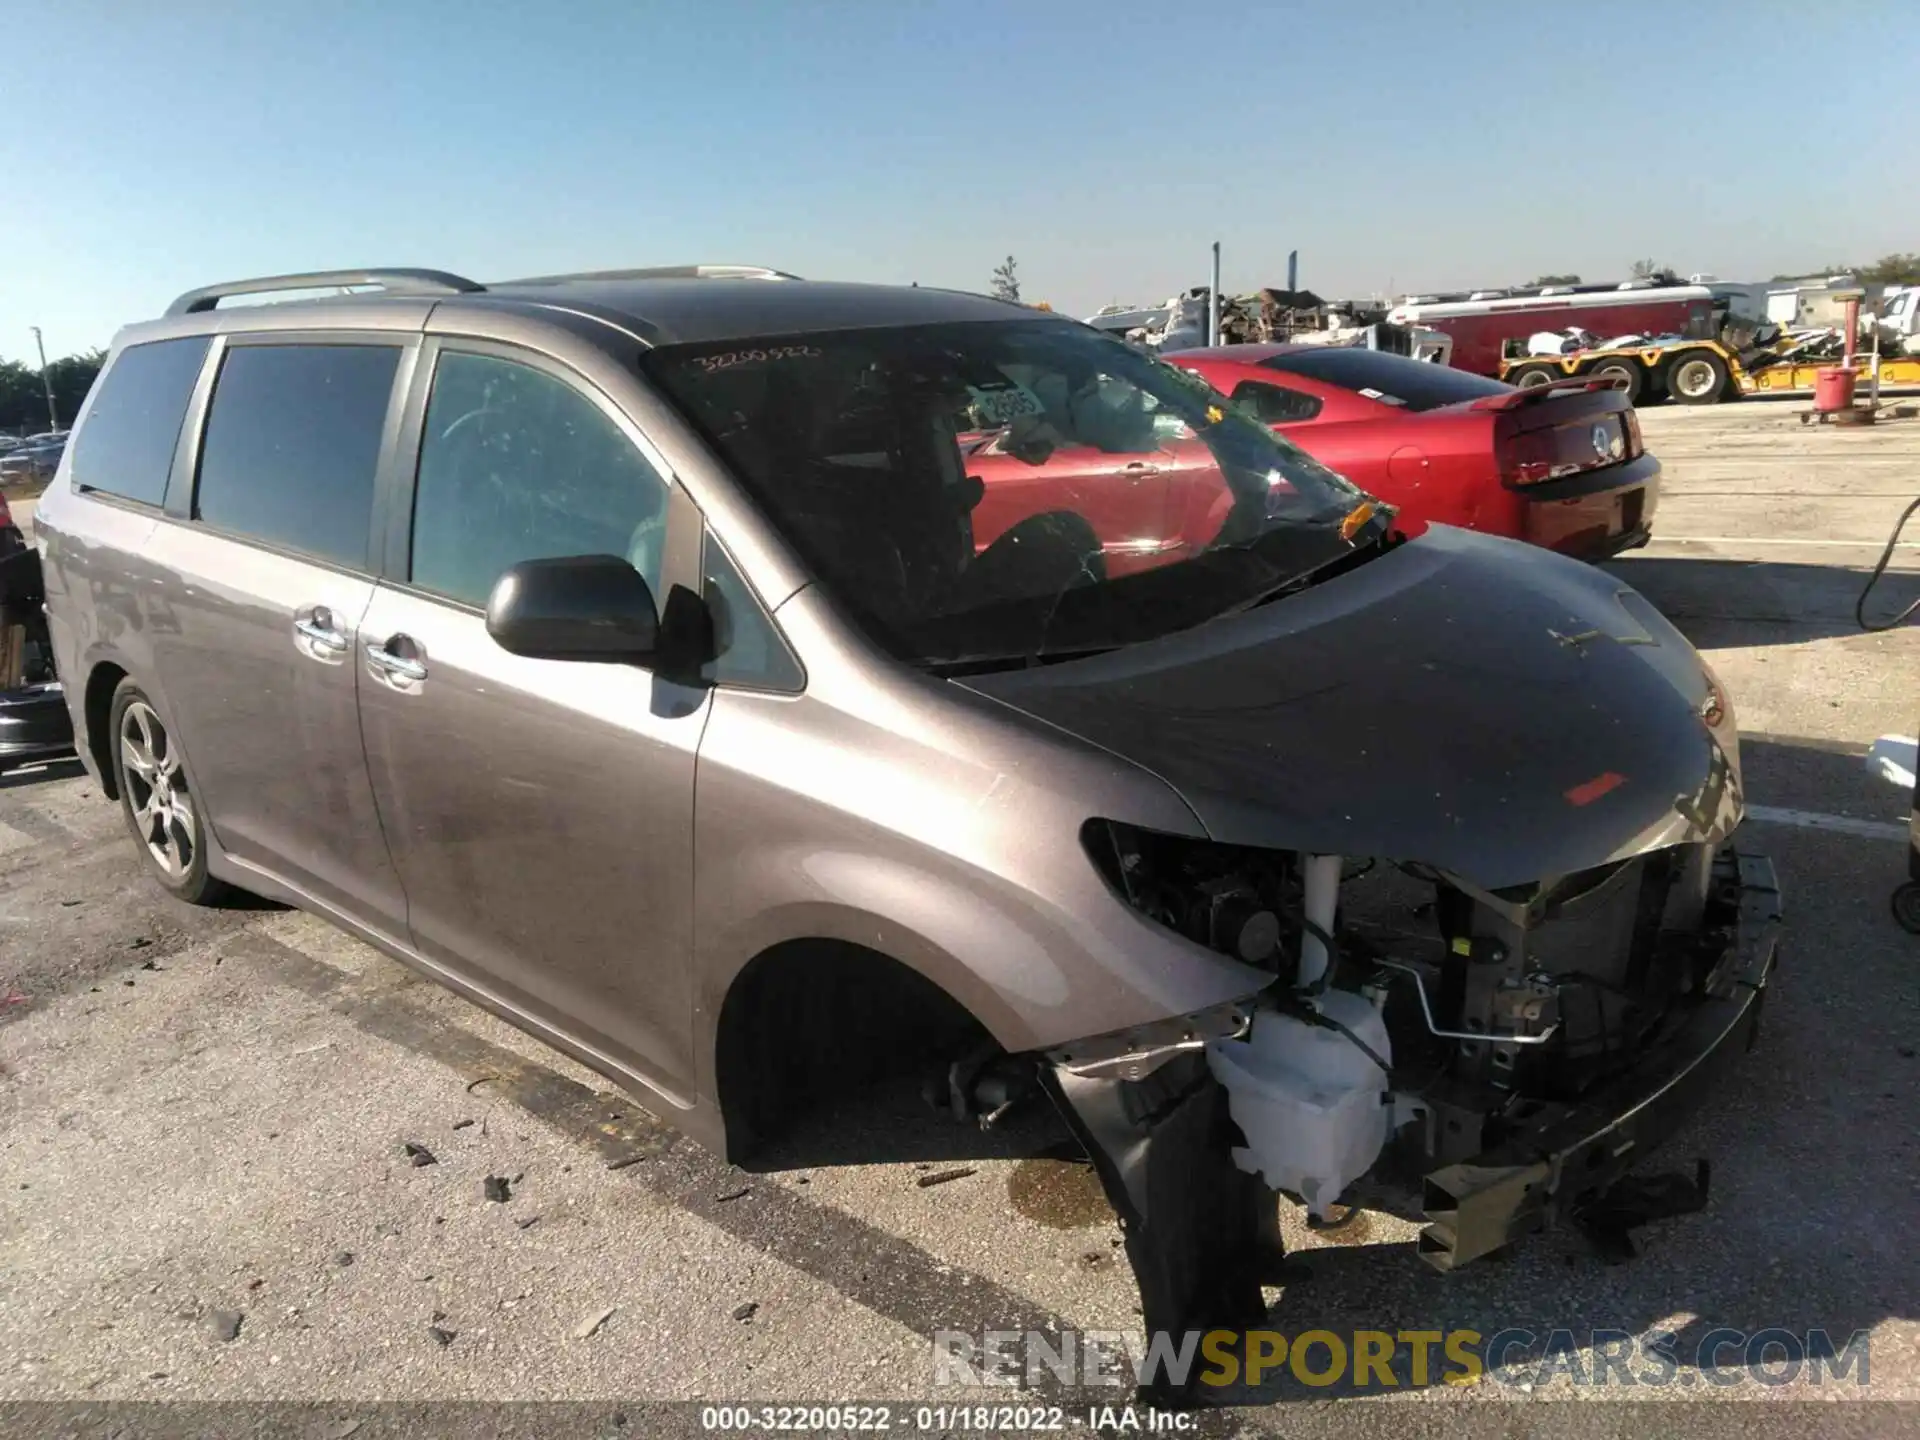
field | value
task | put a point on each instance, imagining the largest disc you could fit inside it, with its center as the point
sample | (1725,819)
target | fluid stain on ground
(1060,1194)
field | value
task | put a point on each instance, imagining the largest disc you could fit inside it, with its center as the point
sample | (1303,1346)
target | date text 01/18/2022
(944,1419)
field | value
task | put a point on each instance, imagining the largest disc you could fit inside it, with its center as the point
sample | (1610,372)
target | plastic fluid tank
(1833,388)
(1311,1103)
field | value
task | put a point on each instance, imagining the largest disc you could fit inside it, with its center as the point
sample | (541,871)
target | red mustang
(1560,466)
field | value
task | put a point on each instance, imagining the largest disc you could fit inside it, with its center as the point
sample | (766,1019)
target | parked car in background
(424,610)
(34,459)
(34,724)
(1559,466)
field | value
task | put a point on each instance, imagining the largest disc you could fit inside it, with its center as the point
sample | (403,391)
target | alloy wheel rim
(156,789)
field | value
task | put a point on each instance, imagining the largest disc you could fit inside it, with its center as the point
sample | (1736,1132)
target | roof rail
(662,272)
(394,282)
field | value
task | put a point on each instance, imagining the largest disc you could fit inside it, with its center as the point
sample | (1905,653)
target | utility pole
(1213,301)
(53,419)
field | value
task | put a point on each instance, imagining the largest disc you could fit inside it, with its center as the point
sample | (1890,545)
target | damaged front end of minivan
(1501,1059)
(1490,867)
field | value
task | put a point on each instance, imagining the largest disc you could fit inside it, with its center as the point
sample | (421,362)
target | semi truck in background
(1482,322)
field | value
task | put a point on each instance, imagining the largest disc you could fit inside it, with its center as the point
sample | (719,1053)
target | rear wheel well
(809,1021)
(101,684)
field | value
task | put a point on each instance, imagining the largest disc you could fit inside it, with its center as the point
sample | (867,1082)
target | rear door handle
(398,667)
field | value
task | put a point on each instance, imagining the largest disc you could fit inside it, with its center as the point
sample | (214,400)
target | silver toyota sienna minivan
(635,654)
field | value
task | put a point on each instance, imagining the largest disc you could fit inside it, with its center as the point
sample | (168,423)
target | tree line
(23,395)
(1895,269)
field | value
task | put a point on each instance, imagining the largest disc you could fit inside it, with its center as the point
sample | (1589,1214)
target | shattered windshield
(999,492)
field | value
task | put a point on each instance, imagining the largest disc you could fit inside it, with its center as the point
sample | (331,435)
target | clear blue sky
(150,148)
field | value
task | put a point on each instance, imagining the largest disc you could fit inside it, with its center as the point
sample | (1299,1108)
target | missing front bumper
(1574,1153)
(1202,1234)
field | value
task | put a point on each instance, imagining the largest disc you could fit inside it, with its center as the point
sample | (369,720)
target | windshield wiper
(987,664)
(1307,578)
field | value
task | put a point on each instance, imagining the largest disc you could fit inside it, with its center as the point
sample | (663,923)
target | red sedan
(1560,466)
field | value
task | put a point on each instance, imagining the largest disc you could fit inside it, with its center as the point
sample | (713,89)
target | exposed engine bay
(1500,1058)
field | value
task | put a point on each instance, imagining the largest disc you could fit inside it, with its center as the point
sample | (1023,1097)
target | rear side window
(292,443)
(1390,379)
(126,446)
(1275,404)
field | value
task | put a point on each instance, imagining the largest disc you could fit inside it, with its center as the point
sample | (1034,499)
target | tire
(1629,374)
(164,817)
(1530,377)
(1697,377)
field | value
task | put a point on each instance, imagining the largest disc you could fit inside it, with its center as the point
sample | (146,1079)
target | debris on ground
(741,1193)
(224,1325)
(527,1222)
(497,1189)
(140,942)
(593,1322)
(343,1257)
(624,1161)
(462,1124)
(418,1153)
(442,1336)
(941,1177)
(746,1311)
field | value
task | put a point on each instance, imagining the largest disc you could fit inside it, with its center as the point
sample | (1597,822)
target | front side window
(516,464)
(292,445)
(126,446)
(989,492)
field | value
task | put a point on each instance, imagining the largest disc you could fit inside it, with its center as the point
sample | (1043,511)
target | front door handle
(398,667)
(315,626)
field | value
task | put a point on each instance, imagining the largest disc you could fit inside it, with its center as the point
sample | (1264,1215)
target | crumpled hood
(1486,707)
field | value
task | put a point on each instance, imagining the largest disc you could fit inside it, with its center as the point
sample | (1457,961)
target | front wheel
(162,811)
(1697,379)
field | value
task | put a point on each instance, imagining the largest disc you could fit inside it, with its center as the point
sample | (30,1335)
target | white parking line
(1817,820)
(1776,540)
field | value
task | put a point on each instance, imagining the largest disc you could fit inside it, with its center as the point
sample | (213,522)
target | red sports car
(1561,466)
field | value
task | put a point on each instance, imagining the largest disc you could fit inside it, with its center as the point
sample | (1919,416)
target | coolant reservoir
(1313,1105)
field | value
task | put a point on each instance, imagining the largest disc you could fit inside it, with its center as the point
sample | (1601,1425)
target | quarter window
(748,650)
(125,448)
(515,465)
(292,444)
(1275,404)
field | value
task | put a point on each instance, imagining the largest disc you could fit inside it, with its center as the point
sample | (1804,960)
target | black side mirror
(581,607)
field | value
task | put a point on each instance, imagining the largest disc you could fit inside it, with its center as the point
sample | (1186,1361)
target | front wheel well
(98,708)
(809,1021)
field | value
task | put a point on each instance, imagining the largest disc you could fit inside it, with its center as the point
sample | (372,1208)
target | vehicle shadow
(1719,602)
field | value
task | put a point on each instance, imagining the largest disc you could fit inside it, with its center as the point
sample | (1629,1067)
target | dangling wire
(1886,555)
